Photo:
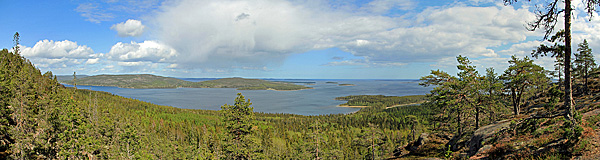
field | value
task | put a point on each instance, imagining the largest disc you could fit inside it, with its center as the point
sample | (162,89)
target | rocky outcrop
(420,142)
(478,144)
(430,145)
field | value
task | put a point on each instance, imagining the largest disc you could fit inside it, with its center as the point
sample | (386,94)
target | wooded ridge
(153,81)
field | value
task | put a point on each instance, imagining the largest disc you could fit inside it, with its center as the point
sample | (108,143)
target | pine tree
(456,95)
(523,79)
(546,19)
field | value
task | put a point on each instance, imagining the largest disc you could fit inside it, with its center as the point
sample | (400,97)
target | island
(361,101)
(345,84)
(146,81)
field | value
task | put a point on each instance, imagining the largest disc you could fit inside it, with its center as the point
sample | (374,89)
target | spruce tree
(239,121)
(584,63)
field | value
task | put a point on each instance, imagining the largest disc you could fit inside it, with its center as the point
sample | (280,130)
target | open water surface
(317,101)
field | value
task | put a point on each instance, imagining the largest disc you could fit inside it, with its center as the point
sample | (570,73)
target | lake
(317,101)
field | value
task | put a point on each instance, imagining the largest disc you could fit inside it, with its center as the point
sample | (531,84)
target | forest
(42,119)
(378,100)
(523,112)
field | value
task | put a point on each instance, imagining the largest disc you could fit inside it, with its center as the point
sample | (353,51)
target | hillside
(41,119)
(131,81)
(475,121)
(153,81)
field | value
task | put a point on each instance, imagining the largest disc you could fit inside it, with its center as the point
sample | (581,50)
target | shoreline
(177,87)
(398,105)
(271,89)
(408,104)
(340,105)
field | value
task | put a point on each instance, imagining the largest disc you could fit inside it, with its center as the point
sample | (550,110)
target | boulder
(423,138)
(483,135)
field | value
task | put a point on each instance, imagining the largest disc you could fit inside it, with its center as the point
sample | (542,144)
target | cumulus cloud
(448,32)
(522,49)
(57,49)
(221,33)
(224,33)
(92,61)
(129,64)
(129,28)
(151,51)
(61,56)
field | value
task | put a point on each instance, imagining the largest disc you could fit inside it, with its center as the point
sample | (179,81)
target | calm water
(317,101)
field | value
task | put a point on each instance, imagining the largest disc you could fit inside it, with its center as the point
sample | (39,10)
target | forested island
(380,100)
(153,81)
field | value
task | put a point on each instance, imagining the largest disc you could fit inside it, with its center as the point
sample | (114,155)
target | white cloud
(57,49)
(383,6)
(129,28)
(93,12)
(353,62)
(130,64)
(98,11)
(172,66)
(522,49)
(92,61)
(447,32)
(151,51)
(223,33)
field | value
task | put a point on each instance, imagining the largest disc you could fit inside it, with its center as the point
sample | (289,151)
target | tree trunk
(515,102)
(568,87)
(476,117)
(585,79)
(373,144)
(460,126)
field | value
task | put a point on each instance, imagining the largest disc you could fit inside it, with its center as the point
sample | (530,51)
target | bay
(317,101)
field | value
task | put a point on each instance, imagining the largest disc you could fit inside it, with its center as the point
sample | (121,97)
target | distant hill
(68,77)
(131,81)
(153,81)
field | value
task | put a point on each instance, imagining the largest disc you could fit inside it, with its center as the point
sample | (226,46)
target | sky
(306,39)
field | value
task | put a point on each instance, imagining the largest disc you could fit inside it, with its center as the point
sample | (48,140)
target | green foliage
(524,79)
(372,100)
(448,153)
(468,94)
(238,119)
(41,119)
(584,64)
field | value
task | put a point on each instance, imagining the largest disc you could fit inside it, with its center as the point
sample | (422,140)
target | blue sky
(337,39)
